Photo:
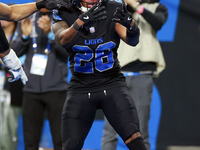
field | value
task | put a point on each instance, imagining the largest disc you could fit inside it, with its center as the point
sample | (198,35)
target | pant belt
(138,73)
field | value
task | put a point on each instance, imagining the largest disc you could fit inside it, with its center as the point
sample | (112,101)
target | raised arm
(65,35)
(16,12)
(20,11)
(156,19)
(126,26)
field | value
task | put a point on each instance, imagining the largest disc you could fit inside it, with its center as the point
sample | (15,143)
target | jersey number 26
(85,54)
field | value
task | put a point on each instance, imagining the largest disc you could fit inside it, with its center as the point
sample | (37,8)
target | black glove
(54,4)
(122,16)
(94,14)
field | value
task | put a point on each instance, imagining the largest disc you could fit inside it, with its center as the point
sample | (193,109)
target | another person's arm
(12,13)
(156,20)
(16,12)
(4,46)
(20,11)
(21,41)
(10,60)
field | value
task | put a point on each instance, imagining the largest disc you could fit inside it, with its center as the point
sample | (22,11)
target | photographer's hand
(132,3)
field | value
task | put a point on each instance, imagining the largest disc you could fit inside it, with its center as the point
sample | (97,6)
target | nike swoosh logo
(128,18)
(87,17)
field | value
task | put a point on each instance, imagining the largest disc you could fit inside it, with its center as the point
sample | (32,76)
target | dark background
(179,83)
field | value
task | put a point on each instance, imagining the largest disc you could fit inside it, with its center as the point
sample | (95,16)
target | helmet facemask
(85,5)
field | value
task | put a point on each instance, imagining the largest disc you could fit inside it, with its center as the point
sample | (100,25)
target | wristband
(40,4)
(25,37)
(51,35)
(76,26)
(141,10)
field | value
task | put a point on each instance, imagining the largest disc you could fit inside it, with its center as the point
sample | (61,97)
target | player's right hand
(94,14)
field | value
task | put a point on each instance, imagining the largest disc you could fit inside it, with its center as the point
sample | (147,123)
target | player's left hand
(54,4)
(122,16)
(16,74)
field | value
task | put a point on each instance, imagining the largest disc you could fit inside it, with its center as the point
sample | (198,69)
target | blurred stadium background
(174,123)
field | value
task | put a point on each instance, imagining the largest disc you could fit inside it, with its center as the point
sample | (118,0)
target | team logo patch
(92,29)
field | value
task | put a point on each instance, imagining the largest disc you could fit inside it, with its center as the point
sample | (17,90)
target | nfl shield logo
(92,29)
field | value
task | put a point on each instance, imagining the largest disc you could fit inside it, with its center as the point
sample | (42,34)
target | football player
(14,13)
(91,33)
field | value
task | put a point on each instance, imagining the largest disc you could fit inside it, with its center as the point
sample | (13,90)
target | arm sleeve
(157,19)
(4,45)
(19,45)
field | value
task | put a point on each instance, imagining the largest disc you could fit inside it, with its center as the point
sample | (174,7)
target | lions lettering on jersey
(94,41)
